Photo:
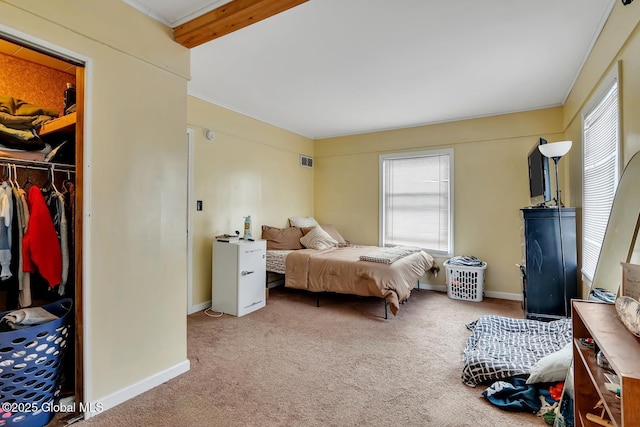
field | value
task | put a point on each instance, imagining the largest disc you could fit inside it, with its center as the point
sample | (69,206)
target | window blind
(600,175)
(416,202)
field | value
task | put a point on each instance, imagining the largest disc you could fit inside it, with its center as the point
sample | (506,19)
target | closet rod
(33,164)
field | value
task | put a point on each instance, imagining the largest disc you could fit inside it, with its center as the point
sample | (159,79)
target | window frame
(613,77)
(381,203)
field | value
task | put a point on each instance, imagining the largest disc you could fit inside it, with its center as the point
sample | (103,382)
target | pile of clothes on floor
(515,395)
(544,388)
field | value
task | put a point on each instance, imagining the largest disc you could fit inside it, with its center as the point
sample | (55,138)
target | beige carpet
(294,364)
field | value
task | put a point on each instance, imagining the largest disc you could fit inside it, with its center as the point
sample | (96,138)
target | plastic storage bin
(31,361)
(465,282)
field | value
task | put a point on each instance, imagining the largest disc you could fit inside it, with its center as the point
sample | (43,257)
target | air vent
(306,161)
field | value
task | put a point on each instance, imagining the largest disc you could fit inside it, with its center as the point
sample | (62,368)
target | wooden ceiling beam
(228,18)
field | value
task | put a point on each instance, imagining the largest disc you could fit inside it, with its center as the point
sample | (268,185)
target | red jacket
(40,245)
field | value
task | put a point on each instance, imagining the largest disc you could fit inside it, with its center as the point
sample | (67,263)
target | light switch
(199,205)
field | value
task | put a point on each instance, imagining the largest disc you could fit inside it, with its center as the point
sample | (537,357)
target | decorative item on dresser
(627,303)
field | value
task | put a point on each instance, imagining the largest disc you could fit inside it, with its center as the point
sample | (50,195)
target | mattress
(502,347)
(340,270)
(276,260)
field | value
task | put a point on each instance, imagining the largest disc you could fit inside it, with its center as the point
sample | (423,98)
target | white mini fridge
(239,276)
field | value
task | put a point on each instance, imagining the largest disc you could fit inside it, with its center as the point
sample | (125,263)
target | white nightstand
(239,277)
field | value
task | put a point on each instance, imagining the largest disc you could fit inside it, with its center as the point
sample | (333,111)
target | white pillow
(553,367)
(318,239)
(298,221)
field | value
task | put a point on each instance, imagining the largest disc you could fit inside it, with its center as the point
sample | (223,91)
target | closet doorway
(34,76)
(190,150)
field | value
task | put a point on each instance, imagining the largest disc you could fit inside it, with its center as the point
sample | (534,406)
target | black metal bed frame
(386,303)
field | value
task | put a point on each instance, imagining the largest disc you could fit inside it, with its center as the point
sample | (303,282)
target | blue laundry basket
(31,361)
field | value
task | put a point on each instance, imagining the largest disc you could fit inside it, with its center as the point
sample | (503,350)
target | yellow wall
(250,168)
(136,158)
(490,161)
(619,41)
(491,184)
(137,168)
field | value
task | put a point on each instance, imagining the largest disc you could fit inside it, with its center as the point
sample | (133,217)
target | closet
(38,77)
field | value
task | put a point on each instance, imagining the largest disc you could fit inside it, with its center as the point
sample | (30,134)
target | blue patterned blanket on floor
(502,347)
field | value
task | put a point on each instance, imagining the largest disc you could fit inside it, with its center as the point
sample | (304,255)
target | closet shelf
(64,124)
(34,164)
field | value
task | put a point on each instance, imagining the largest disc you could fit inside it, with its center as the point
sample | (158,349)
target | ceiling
(340,67)
(17,51)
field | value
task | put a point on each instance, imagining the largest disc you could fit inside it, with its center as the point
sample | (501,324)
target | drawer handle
(246,273)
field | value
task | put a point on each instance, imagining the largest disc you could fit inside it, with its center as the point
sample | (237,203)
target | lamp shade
(555,149)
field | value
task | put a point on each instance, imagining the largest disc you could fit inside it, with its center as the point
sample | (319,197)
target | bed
(310,261)
(502,347)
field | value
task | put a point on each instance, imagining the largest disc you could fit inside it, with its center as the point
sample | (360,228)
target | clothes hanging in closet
(40,246)
(6,213)
(36,247)
(22,218)
(17,283)
(56,204)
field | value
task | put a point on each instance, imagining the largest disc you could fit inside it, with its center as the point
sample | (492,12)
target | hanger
(9,175)
(27,181)
(53,179)
(68,184)
(15,176)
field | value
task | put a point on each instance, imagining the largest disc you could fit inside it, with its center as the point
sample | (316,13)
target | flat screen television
(539,176)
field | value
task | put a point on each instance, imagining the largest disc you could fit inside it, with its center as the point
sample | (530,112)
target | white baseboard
(488,294)
(503,295)
(199,307)
(430,287)
(140,387)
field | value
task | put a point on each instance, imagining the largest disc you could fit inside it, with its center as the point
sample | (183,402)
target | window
(416,201)
(601,170)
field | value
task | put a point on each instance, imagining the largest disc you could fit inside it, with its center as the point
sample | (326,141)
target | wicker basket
(31,360)
(464,282)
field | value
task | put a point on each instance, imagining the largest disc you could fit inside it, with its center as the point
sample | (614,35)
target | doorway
(190,147)
(47,73)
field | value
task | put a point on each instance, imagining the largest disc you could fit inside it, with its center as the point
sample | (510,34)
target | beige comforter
(340,270)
